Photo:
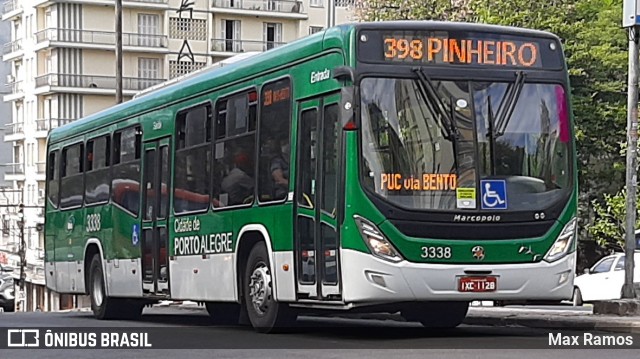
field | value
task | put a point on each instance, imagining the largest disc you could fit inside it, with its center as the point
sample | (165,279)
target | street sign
(630,13)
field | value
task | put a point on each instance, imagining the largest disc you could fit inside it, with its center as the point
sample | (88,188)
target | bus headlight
(376,241)
(563,244)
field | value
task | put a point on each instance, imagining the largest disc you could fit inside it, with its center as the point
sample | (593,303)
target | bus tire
(265,314)
(223,313)
(437,314)
(104,307)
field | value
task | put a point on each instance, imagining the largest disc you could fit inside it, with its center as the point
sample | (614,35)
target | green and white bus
(396,166)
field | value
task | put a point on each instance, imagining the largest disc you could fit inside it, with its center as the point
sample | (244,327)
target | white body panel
(285,288)
(63,279)
(197,278)
(124,278)
(406,281)
(50,275)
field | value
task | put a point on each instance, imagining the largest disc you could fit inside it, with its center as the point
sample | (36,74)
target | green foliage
(596,51)
(609,228)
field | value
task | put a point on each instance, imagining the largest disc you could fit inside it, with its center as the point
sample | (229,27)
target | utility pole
(630,21)
(118,51)
(23,258)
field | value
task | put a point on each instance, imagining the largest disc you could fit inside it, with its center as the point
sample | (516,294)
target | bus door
(155,216)
(316,235)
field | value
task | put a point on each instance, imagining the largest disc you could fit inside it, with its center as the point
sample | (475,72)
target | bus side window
(125,185)
(193,160)
(97,170)
(275,125)
(53,180)
(234,150)
(71,182)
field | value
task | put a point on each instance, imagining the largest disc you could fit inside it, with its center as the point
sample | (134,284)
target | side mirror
(587,271)
(347,96)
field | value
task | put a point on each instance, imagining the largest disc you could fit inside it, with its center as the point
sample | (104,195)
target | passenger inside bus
(237,184)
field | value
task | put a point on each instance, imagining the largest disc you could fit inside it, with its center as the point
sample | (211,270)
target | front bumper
(372,280)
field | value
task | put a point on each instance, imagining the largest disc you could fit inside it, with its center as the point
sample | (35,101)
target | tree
(609,227)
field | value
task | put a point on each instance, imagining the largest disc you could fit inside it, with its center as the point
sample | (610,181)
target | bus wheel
(265,314)
(437,314)
(223,313)
(104,307)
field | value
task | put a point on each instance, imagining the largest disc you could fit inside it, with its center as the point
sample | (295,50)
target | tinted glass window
(274,157)
(620,264)
(98,178)
(330,159)
(234,151)
(125,186)
(72,184)
(603,266)
(307,151)
(53,174)
(193,160)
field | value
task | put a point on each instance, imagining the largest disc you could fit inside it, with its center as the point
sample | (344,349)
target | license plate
(477,284)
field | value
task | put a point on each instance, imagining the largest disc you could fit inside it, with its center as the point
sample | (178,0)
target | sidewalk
(551,319)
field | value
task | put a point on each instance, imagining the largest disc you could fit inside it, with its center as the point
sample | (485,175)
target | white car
(604,280)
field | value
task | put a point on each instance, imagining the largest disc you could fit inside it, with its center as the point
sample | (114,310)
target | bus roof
(216,76)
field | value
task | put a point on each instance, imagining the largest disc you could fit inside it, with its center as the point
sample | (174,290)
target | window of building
(272,35)
(148,29)
(148,70)
(314,29)
(179,68)
(193,160)
(97,178)
(275,125)
(344,3)
(234,150)
(125,185)
(71,177)
(188,29)
(5,227)
(53,175)
(316,3)
(231,36)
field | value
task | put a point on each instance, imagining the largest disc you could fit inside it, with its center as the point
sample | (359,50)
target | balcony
(88,84)
(41,167)
(45,125)
(12,50)
(271,8)
(224,47)
(141,4)
(14,171)
(16,91)
(100,40)
(14,132)
(10,9)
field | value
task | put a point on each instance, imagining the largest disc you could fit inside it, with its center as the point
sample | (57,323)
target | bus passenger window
(71,186)
(234,151)
(193,160)
(275,124)
(53,174)
(97,176)
(125,185)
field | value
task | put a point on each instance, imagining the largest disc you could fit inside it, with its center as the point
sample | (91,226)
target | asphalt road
(314,337)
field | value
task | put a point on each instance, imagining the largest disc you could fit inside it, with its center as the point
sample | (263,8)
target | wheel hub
(260,289)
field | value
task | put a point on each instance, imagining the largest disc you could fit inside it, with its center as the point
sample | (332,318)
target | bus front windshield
(441,145)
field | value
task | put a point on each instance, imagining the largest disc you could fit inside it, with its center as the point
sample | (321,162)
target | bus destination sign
(445,50)
(469,49)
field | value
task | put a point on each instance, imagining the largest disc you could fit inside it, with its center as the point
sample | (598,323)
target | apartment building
(62,60)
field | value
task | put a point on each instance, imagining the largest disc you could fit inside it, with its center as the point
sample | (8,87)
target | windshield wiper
(433,101)
(508,105)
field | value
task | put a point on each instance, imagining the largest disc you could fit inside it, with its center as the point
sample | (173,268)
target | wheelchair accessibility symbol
(494,194)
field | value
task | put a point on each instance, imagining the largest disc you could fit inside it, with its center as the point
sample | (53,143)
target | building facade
(61,56)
